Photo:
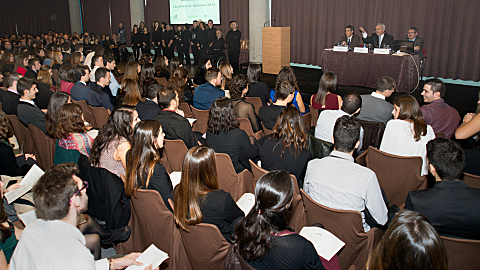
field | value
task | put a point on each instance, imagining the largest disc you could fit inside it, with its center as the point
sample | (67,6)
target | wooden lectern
(275,48)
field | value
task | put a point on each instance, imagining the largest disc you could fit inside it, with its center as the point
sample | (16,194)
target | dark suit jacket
(79,91)
(147,109)
(176,127)
(97,97)
(30,114)
(451,206)
(387,40)
(205,95)
(356,41)
(43,96)
(10,102)
(31,73)
(417,42)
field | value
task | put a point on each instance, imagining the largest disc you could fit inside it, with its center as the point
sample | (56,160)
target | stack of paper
(326,244)
(151,256)
(26,185)
(246,202)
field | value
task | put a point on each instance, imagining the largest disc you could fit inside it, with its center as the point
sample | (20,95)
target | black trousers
(184,53)
(136,53)
(196,54)
(234,59)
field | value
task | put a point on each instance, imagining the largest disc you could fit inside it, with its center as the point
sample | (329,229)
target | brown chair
(162,81)
(246,126)
(396,175)
(319,148)
(101,115)
(471,180)
(175,151)
(87,112)
(24,139)
(307,119)
(186,109)
(266,131)
(205,246)
(152,223)
(229,180)
(315,114)
(347,226)
(440,135)
(372,133)
(201,124)
(256,102)
(45,147)
(462,253)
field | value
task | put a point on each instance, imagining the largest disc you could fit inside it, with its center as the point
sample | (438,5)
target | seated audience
(110,147)
(81,76)
(197,198)
(97,97)
(11,97)
(53,240)
(132,69)
(57,60)
(187,92)
(285,149)
(175,63)
(66,82)
(149,108)
(407,134)
(264,239)
(97,62)
(33,68)
(410,242)
(129,93)
(325,98)
(8,239)
(268,114)
(161,67)
(350,39)
(287,74)
(28,112)
(175,125)
(223,134)
(469,129)
(438,114)
(227,72)
(208,92)
(343,184)
(54,105)
(203,65)
(238,88)
(257,88)
(374,106)
(110,64)
(450,205)
(147,77)
(144,169)
(21,63)
(44,86)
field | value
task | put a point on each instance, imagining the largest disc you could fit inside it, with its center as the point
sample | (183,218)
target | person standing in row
(157,39)
(193,42)
(185,44)
(232,41)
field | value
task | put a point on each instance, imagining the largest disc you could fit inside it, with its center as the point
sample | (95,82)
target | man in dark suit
(412,35)
(97,97)
(350,39)
(28,112)
(380,39)
(81,75)
(33,68)
(208,92)
(451,206)
(149,108)
(11,97)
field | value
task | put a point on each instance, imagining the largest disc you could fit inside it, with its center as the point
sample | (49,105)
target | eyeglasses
(85,186)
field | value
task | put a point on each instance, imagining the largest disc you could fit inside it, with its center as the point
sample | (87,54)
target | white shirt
(364,35)
(344,185)
(326,123)
(398,140)
(377,95)
(114,86)
(53,244)
(28,101)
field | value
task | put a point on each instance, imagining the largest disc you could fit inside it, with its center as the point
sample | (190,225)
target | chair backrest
(307,119)
(229,180)
(471,180)
(23,136)
(319,148)
(462,253)
(201,125)
(256,102)
(152,223)
(397,175)
(175,151)
(257,171)
(266,131)
(440,135)
(372,133)
(87,112)
(246,126)
(45,147)
(205,246)
(186,109)
(100,114)
(347,226)
(315,114)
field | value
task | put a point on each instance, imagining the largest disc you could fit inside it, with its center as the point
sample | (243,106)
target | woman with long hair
(198,198)
(407,134)
(65,74)
(187,91)
(131,71)
(129,93)
(287,74)
(203,65)
(285,149)
(57,60)
(410,242)
(238,87)
(264,239)
(147,76)
(48,58)
(8,240)
(110,147)
(145,58)
(21,63)
(325,98)
(161,67)
(257,88)
(223,134)
(77,58)
(469,133)
(136,42)
(227,72)
(7,63)
(44,86)
(175,63)
(144,170)
(56,101)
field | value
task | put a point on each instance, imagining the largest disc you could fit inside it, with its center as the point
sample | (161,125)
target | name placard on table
(360,50)
(381,51)
(340,48)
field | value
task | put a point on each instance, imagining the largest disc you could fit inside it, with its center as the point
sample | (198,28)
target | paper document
(151,256)
(191,120)
(175,178)
(246,202)
(326,244)
(26,185)
(28,217)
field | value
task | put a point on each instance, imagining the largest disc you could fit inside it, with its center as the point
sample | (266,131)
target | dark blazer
(417,42)
(147,109)
(261,90)
(79,91)
(10,102)
(387,40)
(31,73)
(9,165)
(31,114)
(176,127)
(451,206)
(356,41)
(97,97)
(205,95)
(43,96)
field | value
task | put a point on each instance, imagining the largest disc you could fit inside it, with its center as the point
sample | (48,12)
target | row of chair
(95,116)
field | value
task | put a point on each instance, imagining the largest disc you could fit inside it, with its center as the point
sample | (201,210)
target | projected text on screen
(186,11)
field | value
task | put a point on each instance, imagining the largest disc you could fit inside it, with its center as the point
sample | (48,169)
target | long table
(364,69)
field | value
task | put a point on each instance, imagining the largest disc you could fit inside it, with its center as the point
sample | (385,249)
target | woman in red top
(325,99)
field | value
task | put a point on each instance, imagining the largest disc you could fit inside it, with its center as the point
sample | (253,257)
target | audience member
(203,65)
(287,74)
(97,62)
(198,197)
(407,134)
(147,77)
(227,72)
(114,85)
(21,63)
(54,105)
(8,240)
(57,60)
(268,114)
(342,184)
(11,98)
(325,98)
(132,69)
(44,86)
(450,205)
(350,39)
(81,76)
(187,90)
(66,82)
(438,114)
(208,92)
(28,112)
(161,67)
(257,88)
(149,108)
(374,106)
(33,68)
(97,97)
(471,127)
(412,35)
(380,39)
(238,88)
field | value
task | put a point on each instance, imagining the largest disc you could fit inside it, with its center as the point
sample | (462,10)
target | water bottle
(338,44)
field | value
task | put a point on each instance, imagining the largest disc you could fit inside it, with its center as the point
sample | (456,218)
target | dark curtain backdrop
(95,16)
(34,17)
(448,28)
(121,13)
